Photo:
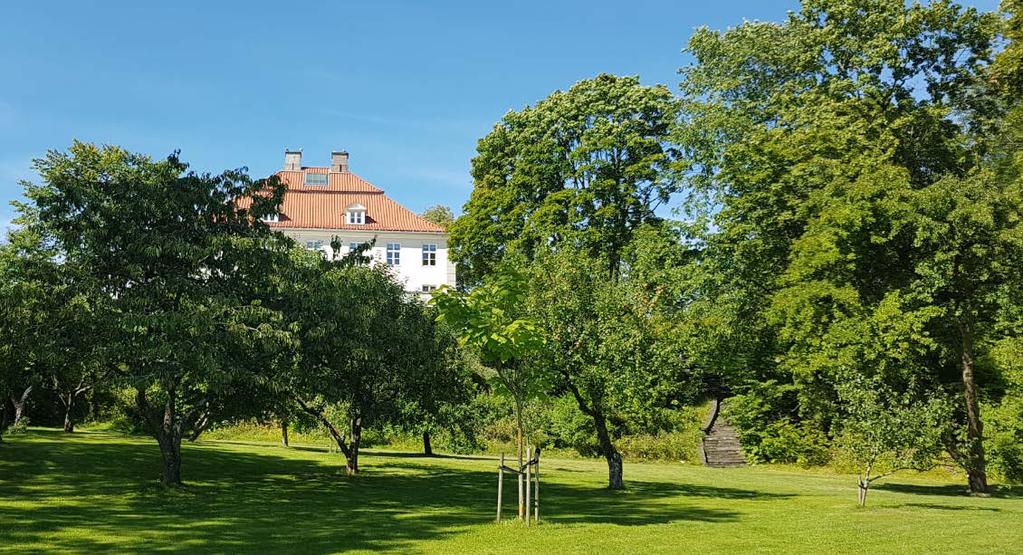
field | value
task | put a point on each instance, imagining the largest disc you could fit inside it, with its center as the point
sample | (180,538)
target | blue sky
(406,87)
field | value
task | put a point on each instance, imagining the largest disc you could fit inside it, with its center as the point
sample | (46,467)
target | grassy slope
(96,491)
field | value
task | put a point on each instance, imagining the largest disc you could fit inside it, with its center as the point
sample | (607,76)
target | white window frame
(430,254)
(271,218)
(356,217)
(393,254)
(305,180)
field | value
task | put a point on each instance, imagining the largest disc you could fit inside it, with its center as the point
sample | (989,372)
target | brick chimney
(292,160)
(339,161)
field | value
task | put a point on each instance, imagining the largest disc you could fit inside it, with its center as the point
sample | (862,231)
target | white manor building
(326,202)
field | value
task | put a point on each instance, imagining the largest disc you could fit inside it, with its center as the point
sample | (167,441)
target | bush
(670,446)
(571,429)
(768,432)
(20,428)
(1004,441)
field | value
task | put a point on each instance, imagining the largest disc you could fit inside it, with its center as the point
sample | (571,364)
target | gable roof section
(324,206)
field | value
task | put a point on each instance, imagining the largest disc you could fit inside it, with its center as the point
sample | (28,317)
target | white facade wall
(410,269)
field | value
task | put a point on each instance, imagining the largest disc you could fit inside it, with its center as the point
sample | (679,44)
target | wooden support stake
(529,458)
(500,486)
(522,507)
(536,500)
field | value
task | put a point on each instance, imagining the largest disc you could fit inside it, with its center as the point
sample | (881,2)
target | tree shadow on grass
(385,453)
(99,492)
(949,507)
(640,503)
(952,490)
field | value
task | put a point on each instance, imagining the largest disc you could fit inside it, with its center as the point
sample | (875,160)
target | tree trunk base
(614,471)
(863,494)
(427,446)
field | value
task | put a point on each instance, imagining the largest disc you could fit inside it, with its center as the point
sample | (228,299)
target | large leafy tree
(585,166)
(609,343)
(367,351)
(176,258)
(821,144)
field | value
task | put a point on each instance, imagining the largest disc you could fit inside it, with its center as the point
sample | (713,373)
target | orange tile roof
(324,206)
(346,182)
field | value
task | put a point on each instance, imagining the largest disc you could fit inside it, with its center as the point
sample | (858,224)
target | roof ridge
(335,191)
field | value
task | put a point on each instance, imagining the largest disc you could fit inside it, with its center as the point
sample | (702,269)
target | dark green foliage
(858,221)
(766,417)
(440,215)
(367,354)
(171,260)
(584,167)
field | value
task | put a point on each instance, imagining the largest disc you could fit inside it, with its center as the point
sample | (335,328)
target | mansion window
(313,245)
(428,288)
(271,218)
(393,254)
(429,255)
(356,215)
(317,179)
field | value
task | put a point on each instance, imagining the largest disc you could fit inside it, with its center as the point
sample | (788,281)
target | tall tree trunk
(170,441)
(353,447)
(976,471)
(19,404)
(427,447)
(168,433)
(611,455)
(350,450)
(69,405)
(284,432)
(170,450)
(607,448)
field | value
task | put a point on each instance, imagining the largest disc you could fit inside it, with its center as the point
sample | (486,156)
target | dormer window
(315,179)
(271,218)
(356,215)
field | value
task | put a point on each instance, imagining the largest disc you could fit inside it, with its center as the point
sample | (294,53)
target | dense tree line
(823,225)
(849,263)
(140,275)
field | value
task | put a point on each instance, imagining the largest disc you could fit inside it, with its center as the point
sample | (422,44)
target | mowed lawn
(95,491)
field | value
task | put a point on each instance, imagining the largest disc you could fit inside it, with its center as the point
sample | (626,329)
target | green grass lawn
(98,491)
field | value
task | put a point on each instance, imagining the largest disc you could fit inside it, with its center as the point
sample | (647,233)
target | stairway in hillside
(721,444)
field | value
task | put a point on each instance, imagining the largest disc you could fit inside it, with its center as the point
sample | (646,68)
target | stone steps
(721,447)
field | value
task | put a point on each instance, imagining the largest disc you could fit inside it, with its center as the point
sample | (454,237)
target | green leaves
(586,166)
(170,262)
(863,215)
(487,318)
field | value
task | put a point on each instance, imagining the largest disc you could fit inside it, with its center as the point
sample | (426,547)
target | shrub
(765,423)
(670,446)
(1004,441)
(20,427)
(571,429)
